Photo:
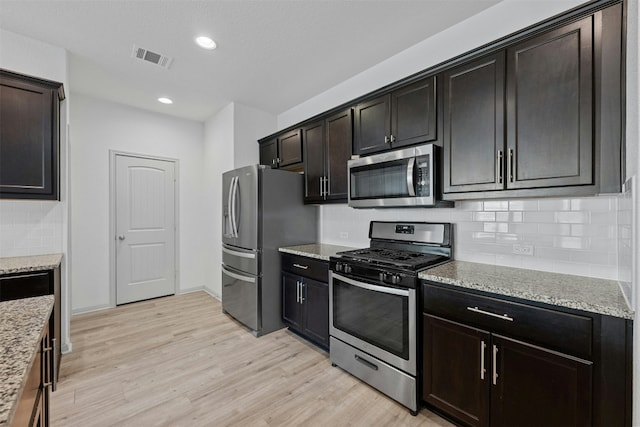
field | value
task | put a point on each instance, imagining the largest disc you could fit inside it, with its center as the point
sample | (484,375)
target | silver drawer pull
(304,267)
(366,363)
(499,316)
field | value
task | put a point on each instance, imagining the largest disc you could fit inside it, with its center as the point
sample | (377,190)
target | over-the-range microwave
(400,178)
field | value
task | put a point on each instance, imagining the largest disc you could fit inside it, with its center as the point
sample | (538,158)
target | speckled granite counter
(315,250)
(577,292)
(21,264)
(21,323)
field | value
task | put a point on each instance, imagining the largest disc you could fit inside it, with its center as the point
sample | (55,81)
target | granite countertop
(564,290)
(21,264)
(21,323)
(316,250)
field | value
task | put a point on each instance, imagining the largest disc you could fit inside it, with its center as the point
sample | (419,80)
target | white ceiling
(271,55)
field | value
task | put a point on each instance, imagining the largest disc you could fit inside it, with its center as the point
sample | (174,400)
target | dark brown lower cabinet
(305,307)
(33,406)
(33,284)
(489,361)
(305,297)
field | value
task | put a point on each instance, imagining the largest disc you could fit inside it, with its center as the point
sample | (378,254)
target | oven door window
(378,318)
(380,180)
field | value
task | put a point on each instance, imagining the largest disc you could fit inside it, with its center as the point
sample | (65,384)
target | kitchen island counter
(577,292)
(21,323)
(315,250)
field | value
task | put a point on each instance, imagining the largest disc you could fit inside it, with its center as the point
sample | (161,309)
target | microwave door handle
(410,183)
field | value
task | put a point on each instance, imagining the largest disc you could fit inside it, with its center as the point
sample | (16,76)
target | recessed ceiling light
(206,42)
(165,100)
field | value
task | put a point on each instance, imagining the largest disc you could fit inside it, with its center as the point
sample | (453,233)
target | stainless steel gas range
(373,295)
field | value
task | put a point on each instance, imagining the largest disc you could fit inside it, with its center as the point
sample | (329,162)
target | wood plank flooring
(179,361)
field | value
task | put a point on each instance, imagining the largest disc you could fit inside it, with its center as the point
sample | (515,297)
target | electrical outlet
(523,249)
(344,235)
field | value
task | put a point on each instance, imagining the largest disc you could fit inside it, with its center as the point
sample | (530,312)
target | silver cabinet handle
(54,375)
(301,292)
(483,347)
(121,237)
(500,162)
(297,291)
(326,186)
(393,138)
(321,192)
(303,267)
(495,365)
(48,380)
(410,186)
(486,313)
(386,139)
(510,165)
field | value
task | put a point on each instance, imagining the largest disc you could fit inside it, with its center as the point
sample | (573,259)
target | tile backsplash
(30,227)
(564,235)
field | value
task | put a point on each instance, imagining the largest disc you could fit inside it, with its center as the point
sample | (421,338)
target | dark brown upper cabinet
(29,137)
(474,125)
(290,148)
(529,120)
(327,147)
(283,151)
(550,109)
(269,153)
(403,117)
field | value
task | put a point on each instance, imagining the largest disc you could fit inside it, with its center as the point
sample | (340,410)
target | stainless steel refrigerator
(262,210)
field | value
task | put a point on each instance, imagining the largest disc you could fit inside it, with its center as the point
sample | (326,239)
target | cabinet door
(372,126)
(474,125)
(549,108)
(455,374)
(313,136)
(28,140)
(316,311)
(290,148)
(413,113)
(269,153)
(339,141)
(538,387)
(291,306)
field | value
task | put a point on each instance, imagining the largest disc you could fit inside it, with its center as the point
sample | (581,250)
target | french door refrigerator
(262,210)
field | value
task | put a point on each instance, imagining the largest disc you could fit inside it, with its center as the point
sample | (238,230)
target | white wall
(97,127)
(40,227)
(218,157)
(250,125)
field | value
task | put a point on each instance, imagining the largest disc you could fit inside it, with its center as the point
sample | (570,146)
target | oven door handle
(383,289)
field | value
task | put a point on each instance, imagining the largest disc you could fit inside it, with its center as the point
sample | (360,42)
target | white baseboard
(91,309)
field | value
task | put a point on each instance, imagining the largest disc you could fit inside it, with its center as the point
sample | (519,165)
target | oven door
(379,320)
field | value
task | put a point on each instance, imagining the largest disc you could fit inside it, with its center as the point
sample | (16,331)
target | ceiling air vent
(149,56)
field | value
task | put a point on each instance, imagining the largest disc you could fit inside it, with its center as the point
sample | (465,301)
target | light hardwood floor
(179,361)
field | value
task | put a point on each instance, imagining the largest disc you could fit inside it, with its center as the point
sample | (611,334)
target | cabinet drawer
(307,267)
(556,330)
(25,285)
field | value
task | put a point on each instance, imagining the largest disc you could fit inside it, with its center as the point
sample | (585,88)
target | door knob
(121,237)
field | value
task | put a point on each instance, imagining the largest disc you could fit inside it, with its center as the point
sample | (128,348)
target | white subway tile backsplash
(496,205)
(30,227)
(584,236)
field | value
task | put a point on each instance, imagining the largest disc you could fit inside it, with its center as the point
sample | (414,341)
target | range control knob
(347,268)
(339,266)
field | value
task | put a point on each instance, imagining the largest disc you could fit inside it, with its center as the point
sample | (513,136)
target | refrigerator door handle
(238,276)
(234,194)
(229,233)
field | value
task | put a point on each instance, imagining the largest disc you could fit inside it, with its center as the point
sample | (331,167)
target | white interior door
(145,228)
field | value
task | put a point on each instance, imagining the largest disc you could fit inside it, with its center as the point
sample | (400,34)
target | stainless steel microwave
(397,178)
